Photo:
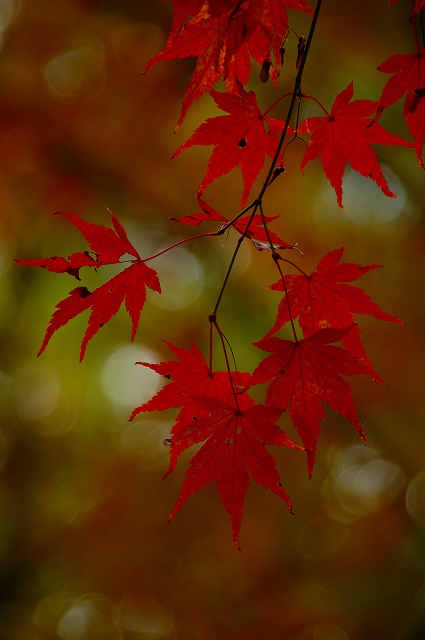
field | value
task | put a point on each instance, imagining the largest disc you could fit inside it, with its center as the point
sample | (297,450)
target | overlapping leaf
(233,428)
(305,374)
(107,245)
(224,34)
(346,135)
(239,139)
(323,299)
(235,436)
(191,376)
(409,79)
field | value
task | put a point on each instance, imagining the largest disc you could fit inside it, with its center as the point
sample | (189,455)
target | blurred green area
(85,549)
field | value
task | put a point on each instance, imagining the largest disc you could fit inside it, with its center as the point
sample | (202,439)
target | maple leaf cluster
(224,35)
(215,408)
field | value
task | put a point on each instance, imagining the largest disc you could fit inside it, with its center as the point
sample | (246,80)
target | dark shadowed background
(85,549)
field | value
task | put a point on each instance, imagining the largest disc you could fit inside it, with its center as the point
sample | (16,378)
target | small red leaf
(345,135)
(239,139)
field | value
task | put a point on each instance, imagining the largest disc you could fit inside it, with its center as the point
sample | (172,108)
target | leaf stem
(296,266)
(286,95)
(177,244)
(213,321)
(210,234)
(258,201)
(415,29)
(232,261)
(295,94)
(276,259)
(266,229)
(317,102)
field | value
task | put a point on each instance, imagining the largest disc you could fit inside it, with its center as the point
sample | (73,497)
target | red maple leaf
(323,299)
(216,409)
(273,22)
(306,373)
(235,436)
(224,34)
(409,76)
(183,9)
(417,6)
(239,139)
(108,245)
(191,377)
(345,135)
(205,36)
(208,214)
(256,231)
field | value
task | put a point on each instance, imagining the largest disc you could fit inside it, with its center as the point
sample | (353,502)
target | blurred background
(85,549)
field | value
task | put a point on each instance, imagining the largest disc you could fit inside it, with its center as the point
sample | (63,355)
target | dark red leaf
(216,410)
(305,374)
(323,299)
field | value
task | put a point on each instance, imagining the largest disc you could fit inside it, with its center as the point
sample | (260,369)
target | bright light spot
(145,619)
(182,279)
(364,202)
(90,617)
(415,498)
(360,483)
(36,392)
(72,72)
(125,384)
(145,439)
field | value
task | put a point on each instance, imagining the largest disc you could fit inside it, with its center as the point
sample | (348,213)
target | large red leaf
(306,373)
(235,437)
(409,79)
(323,299)
(224,34)
(215,409)
(346,135)
(209,37)
(108,245)
(239,139)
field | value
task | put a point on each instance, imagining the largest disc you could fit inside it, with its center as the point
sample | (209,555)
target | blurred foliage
(85,550)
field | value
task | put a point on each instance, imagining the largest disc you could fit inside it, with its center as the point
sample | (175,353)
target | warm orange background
(85,549)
